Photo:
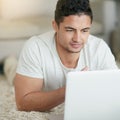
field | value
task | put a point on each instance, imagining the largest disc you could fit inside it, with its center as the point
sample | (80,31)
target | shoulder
(40,40)
(96,42)
(47,36)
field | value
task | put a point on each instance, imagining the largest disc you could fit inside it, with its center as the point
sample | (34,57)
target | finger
(85,69)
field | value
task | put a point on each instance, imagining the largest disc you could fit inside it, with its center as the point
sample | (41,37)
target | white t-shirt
(39,59)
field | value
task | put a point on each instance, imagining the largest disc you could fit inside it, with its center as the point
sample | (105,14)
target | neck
(68,59)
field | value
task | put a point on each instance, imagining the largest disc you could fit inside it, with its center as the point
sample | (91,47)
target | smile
(74,45)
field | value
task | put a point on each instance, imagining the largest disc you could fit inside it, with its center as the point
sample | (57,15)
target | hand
(85,69)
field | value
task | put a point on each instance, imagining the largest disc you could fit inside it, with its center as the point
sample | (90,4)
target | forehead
(77,21)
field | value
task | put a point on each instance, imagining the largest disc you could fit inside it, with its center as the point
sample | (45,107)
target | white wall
(8,48)
(110,18)
(22,8)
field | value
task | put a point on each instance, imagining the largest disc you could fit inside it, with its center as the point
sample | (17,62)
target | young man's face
(72,33)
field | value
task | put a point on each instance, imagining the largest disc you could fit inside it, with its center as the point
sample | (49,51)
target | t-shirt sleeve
(29,63)
(106,58)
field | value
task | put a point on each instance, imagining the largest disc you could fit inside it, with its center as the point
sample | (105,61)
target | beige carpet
(8,109)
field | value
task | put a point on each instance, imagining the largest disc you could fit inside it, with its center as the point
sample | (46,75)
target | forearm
(42,101)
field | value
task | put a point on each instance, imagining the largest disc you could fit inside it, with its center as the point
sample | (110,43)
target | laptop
(92,95)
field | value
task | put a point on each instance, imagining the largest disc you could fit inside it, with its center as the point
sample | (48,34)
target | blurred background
(21,19)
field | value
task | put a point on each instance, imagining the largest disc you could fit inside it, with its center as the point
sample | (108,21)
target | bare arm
(29,94)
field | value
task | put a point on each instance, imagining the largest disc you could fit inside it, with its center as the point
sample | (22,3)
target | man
(46,59)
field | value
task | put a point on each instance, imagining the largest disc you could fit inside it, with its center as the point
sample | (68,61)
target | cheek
(65,37)
(68,36)
(61,38)
(85,38)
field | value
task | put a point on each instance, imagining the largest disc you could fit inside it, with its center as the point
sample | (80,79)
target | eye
(69,30)
(85,30)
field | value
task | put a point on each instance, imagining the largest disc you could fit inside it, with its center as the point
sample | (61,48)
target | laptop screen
(93,95)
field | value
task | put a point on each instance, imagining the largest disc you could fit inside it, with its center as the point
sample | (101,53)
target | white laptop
(92,95)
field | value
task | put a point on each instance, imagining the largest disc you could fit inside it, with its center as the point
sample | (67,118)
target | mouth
(76,45)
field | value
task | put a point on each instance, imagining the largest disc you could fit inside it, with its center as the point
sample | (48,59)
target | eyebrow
(70,28)
(87,28)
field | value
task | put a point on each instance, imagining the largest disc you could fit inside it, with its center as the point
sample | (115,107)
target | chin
(74,51)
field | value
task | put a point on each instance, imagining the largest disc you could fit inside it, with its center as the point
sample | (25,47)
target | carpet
(8,110)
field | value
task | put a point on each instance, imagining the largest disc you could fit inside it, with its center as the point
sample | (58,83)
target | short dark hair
(65,8)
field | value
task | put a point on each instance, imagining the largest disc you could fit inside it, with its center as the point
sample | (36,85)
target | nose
(77,36)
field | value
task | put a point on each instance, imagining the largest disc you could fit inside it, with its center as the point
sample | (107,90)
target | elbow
(20,108)
(23,105)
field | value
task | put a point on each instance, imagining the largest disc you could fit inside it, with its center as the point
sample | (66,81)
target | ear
(55,26)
